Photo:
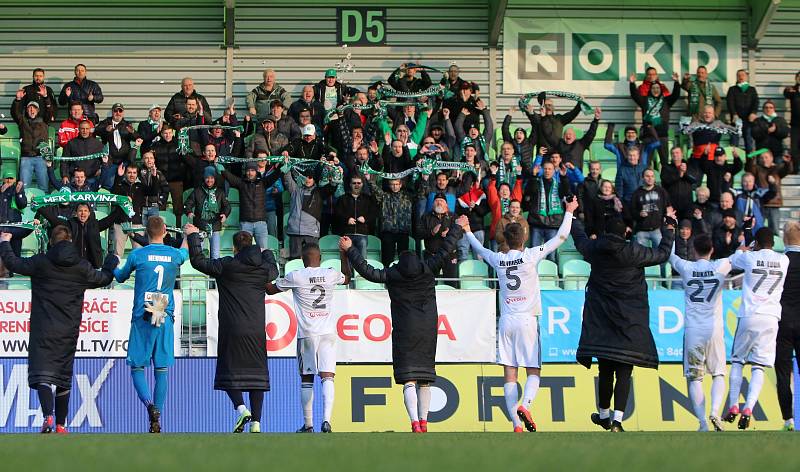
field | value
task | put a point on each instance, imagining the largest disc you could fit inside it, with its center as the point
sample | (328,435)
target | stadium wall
(139,51)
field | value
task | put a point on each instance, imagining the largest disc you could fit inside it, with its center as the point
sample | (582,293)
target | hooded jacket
(194,204)
(86,236)
(242,343)
(411,285)
(32,131)
(273,143)
(616,312)
(252,194)
(59,279)
(305,207)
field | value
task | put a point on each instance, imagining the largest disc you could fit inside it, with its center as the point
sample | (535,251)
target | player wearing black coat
(616,313)
(241,281)
(411,287)
(59,279)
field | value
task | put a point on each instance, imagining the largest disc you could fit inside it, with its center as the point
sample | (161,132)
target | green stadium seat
(329,243)
(19,284)
(364,284)
(13,131)
(169,218)
(472,274)
(335,264)
(373,247)
(226,240)
(600,153)
(564,258)
(30,245)
(293,264)
(548,275)
(778,244)
(233,219)
(576,274)
(194,315)
(33,192)
(445,287)
(233,195)
(9,149)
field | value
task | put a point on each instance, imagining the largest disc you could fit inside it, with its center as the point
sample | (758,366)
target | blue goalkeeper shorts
(148,344)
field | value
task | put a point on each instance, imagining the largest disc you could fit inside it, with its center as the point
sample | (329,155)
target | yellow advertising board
(469,397)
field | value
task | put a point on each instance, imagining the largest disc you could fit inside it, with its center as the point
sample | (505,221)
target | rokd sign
(553,55)
(364,325)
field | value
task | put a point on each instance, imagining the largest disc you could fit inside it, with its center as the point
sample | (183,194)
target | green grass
(680,452)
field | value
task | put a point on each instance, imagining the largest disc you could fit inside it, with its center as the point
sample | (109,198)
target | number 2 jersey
(764,274)
(157,266)
(703,281)
(312,289)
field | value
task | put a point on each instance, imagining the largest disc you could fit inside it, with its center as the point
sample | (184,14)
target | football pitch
(679,451)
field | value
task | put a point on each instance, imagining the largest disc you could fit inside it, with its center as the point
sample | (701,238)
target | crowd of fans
(523,179)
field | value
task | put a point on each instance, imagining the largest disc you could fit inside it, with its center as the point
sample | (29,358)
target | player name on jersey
(157,258)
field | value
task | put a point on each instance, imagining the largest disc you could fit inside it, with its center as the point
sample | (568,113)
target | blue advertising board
(562,311)
(103,399)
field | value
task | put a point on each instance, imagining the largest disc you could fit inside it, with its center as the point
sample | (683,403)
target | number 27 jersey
(703,281)
(519,280)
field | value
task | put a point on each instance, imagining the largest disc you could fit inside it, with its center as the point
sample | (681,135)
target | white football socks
(328,392)
(618,415)
(754,389)
(423,401)
(510,394)
(603,413)
(307,401)
(717,393)
(698,400)
(410,399)
(242,410)
(531,388)
(736,383)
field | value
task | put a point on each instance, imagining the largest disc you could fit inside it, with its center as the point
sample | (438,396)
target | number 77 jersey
(762,286)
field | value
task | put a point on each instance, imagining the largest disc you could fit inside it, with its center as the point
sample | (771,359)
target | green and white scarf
(38,231)
(744,86)
(694,95)
(210,205)
(122,201)
(46,151)
(552,198)
(481,141)
(426,167)
(183,135)
(508,176)
(541,96)
(652,115)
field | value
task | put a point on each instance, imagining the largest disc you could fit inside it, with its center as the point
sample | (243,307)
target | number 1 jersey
(157,266)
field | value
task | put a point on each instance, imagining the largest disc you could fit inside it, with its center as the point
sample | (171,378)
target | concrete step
(791,179)
(793,201)
(790,190)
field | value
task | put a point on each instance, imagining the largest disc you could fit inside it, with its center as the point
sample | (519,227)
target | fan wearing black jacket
(616,313)
(59,279)
(355,214)
(85,229)
(412,290)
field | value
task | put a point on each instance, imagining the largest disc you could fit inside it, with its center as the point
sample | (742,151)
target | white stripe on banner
(466,325)
(104,329)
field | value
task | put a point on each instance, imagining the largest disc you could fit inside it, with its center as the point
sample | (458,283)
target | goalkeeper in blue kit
(151,338)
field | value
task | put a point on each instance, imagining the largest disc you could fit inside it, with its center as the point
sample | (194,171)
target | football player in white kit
(520,309)
(704,335)
(312,289)
(755,339)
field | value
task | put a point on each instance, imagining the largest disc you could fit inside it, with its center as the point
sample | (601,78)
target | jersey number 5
(512,278)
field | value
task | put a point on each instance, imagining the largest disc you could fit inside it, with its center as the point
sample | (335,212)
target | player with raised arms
(704,334)
(757,328)
(312,289)
(520,308)
(151,339)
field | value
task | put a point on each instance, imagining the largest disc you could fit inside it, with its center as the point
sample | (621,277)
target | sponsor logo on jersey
(510,300)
